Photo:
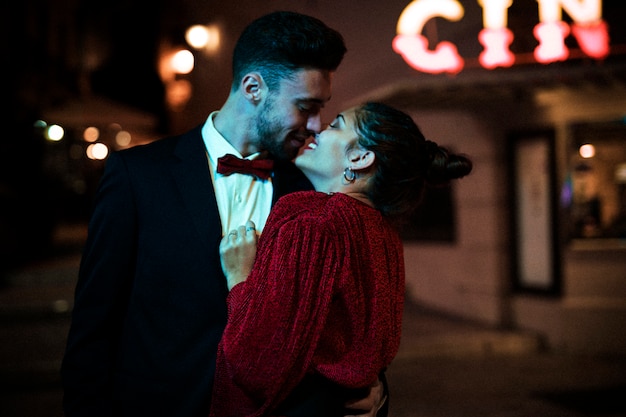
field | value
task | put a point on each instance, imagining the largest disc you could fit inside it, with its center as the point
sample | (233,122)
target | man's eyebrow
(313,100)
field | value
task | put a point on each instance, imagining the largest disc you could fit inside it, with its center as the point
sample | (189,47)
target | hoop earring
(349,175)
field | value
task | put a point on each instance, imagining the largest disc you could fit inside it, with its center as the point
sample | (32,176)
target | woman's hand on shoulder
(237,253)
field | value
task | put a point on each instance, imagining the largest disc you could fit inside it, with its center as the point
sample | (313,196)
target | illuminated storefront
(528,88)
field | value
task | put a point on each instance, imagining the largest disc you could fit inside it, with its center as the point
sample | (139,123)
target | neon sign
(588,28)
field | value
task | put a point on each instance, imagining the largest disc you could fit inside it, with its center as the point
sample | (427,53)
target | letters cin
(588,28)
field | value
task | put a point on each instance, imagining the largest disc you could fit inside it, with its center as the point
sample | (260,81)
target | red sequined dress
(325,296)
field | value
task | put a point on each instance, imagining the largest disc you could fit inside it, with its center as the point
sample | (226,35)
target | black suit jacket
(150,303)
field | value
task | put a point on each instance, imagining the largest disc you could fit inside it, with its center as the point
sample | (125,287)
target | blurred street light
(55,133)
(203,37)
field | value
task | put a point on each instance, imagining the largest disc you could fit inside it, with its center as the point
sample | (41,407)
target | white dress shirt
(240,197)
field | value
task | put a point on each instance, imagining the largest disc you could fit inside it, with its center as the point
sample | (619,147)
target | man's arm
(100,298)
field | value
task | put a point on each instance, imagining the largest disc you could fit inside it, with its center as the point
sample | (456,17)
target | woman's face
(326,157)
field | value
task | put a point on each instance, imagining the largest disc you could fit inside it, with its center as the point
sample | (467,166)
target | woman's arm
(276,317)
(238,250)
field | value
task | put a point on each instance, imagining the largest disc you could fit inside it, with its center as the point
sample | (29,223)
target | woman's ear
(252,86)
(361,158)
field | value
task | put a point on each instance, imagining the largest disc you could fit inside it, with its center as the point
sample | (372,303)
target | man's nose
(314,123)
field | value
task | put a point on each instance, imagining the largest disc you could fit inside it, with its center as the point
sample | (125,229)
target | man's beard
(268,131)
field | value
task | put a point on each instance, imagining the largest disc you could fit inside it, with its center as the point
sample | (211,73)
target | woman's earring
(349,175)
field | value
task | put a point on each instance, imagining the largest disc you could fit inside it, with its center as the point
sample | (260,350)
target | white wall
(465,278)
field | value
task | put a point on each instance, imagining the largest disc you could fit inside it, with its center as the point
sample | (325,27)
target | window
(594,192)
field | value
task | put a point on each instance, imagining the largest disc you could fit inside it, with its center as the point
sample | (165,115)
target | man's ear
(252,86)
(361,158)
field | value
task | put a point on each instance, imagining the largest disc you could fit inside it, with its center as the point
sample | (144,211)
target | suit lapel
(192,176)
(191,173)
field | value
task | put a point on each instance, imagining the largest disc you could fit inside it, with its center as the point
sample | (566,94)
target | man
(150,302)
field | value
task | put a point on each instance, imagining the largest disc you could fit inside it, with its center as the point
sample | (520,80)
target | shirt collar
(216,145)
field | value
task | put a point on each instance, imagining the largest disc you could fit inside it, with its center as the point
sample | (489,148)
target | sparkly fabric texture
(325,296)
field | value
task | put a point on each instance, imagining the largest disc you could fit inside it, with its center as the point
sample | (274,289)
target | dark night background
(43,70)
(57,51)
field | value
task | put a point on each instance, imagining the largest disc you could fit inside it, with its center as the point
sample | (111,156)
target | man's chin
(284,154)
(292,153)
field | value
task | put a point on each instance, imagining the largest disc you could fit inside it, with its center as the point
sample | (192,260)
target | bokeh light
(182,62)
(91,134)
(203,37)
(97,151)
(587,151)
(55,133)
(123,138)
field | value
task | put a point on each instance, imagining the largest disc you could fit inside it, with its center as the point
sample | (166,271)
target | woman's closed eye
(339,120)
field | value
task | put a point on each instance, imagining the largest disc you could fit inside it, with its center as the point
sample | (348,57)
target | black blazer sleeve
(150,303)
(105,275)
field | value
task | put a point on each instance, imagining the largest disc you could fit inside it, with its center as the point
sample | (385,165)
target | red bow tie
(261,168)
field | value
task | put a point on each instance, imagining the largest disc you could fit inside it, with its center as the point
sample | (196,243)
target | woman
(324,297)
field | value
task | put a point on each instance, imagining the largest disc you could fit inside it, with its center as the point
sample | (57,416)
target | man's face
(289,116)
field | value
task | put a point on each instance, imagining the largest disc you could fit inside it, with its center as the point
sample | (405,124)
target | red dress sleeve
(275,318)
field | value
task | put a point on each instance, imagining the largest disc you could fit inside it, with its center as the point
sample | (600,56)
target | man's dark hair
(280,43)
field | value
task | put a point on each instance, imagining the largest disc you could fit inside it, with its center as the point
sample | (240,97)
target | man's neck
(233,122)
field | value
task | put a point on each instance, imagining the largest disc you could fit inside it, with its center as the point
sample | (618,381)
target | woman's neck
(354,190)
(360,197)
